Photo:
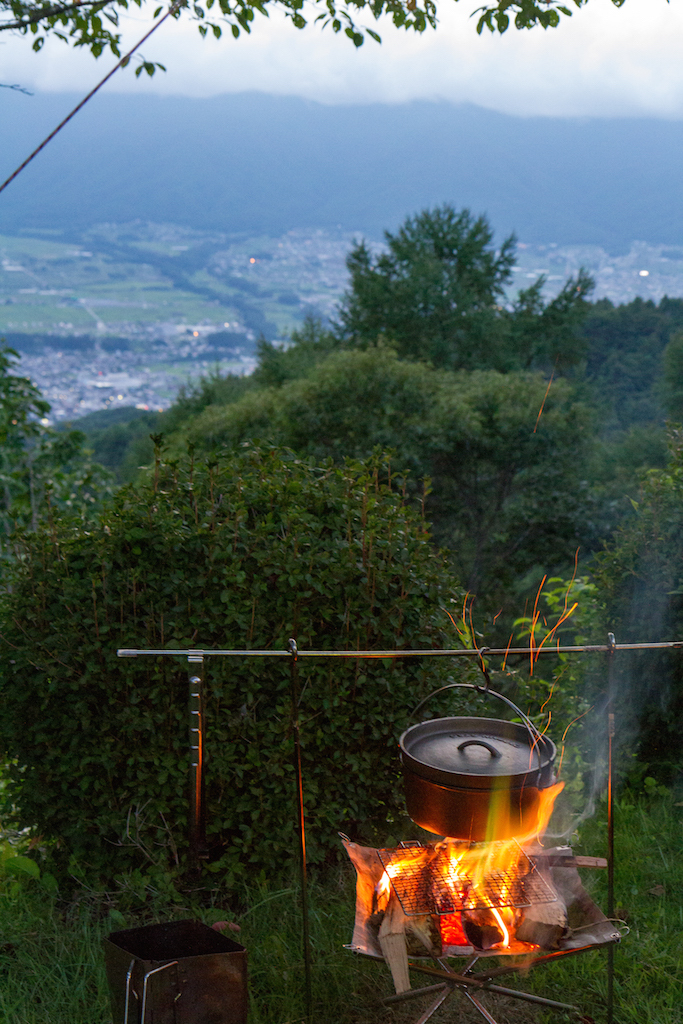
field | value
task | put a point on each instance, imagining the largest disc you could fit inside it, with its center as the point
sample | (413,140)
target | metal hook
(481,651)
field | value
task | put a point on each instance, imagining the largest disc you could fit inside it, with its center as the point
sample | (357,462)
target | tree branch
(51,12)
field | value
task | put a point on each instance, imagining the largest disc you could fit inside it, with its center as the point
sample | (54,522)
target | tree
(438,293)
(39,467)
(672,384)
(508,462)
(93,23)
(434,293)
(626,359)
(549,334)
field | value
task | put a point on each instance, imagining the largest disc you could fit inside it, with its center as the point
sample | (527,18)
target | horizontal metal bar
(132,652)
(414,993)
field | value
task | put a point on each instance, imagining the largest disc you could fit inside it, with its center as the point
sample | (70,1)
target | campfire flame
(500,860)
(480,876)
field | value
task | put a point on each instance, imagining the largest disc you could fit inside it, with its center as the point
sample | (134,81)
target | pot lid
(475,752)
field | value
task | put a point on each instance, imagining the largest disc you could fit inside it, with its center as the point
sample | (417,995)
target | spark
(566,612)
(507,651)
(462,632)
(563,618)
(564,735)
(534,620)
(540,411)
(546,701)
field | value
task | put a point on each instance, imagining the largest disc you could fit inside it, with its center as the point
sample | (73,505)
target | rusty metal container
(181,972)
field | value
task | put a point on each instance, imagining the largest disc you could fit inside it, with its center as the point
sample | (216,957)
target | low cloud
(601,62)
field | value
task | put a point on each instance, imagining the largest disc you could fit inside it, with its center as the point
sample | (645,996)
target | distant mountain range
(251,163)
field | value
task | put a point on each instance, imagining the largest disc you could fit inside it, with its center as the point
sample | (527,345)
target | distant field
(149,280)
(128,313)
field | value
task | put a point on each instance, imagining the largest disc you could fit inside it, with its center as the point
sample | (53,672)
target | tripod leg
(439,1001)
(482,1009)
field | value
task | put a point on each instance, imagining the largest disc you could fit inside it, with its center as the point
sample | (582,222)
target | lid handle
(479,743)
(534,735)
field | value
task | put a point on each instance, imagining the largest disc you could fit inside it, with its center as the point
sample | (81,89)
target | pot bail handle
(479,743)
(534,734)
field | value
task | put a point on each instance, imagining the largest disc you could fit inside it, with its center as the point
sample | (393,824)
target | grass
(51,965)
(648,964)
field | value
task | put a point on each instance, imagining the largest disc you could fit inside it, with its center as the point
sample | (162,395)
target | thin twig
(51,12)
(16,88)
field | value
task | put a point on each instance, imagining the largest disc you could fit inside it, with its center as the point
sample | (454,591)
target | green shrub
(239,553)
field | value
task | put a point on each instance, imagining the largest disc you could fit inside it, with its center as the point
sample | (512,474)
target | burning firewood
(392,940)
(423,935)
(543,924)
(400,936)
(482,929)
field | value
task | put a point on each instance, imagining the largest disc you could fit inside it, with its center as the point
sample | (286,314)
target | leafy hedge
(242,552)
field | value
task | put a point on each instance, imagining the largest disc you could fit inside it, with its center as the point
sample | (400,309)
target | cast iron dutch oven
(475,778)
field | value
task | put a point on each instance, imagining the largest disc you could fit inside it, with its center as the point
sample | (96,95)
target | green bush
(239,553)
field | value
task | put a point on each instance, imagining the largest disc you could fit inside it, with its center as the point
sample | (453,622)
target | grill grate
(426,883)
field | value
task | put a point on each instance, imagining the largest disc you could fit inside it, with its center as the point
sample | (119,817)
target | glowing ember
(452,931)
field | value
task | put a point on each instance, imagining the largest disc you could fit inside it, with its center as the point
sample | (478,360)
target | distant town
(133,312)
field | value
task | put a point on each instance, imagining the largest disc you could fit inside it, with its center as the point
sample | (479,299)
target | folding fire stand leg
(464,981)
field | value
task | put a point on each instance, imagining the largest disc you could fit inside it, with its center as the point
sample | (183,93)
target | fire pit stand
(446,950)
(464,980)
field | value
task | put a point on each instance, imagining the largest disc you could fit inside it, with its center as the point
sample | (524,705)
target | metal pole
(293,651)
(610,820)
(197,823)
(459,652)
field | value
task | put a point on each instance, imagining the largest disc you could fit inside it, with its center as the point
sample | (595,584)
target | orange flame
(473,868)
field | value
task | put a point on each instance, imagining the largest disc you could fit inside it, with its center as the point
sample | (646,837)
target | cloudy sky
(602,61)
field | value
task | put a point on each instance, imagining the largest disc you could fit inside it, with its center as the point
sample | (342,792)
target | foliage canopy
(93,23)
(505,461)
(241,552)
(39,467)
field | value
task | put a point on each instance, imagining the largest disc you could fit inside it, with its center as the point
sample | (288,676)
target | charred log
(482,929)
